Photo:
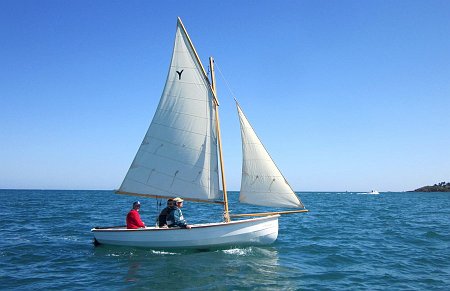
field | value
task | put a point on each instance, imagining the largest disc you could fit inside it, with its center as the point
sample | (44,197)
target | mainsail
(262,182)
(178,156)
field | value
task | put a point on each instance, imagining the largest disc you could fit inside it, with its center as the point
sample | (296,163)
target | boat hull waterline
(255,231)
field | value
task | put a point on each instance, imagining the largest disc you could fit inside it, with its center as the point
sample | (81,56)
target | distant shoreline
(441,187)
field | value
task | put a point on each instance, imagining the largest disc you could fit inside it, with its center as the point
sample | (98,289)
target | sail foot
(269,213)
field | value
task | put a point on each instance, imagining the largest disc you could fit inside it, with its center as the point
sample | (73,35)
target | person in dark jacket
(133,217)
(175,217)
(163,215)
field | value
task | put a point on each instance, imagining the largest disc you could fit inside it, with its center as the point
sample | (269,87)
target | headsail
(262,183)
(178,156)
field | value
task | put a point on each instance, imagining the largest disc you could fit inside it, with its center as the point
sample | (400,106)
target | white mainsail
(178,156)
(262,182)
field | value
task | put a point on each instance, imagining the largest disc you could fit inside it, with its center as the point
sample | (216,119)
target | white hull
(373,192)
(256,231)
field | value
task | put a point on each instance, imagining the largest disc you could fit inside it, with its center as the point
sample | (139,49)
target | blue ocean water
(349,241)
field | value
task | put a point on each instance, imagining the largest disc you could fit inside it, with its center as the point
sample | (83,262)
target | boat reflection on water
(179,269)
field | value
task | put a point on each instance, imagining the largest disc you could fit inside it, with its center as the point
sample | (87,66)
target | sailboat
(180,157)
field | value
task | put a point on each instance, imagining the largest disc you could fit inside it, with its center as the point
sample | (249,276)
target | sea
(348,241)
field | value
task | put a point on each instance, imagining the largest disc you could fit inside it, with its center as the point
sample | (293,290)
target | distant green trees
(441,187)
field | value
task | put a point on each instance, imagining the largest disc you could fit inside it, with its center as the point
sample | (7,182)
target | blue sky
(345,95)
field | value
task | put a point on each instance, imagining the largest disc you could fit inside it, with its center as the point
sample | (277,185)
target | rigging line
(226,82)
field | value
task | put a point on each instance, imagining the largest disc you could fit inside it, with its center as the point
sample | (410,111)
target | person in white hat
(175,217)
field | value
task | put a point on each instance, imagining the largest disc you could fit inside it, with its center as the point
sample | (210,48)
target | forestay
(178,156)
(262,182)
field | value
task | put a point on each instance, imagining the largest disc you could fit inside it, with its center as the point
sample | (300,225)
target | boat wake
(239,252)
(155,252)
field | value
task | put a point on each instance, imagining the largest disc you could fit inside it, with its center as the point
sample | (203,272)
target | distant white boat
(373,192)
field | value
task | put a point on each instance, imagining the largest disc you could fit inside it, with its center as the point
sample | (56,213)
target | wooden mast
(226,214)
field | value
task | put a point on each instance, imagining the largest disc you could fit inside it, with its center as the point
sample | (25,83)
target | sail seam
(182,113)
(184,82)
(252,143)
(187,98)
(256,159)
(178,161)
(173,144)
(266,176)
(179,129)
(165,191)
(270,192)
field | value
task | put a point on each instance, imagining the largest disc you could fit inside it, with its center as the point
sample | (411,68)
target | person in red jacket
(133,217)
